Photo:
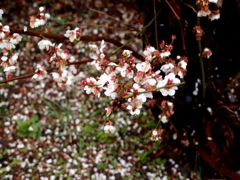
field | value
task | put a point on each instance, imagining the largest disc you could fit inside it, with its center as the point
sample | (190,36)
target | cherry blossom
(126,53)
(167,68)
(45,44)
(10,69)
(40,73)
(170,79)
(134,106)
(136,89)
(73,34)
(149,53)
(90,86)
(13,59)
(144,66)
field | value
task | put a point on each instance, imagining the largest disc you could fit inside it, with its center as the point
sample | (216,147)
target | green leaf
(23,126)
(34,118)
(22,134)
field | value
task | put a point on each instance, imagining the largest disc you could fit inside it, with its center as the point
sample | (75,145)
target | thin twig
(140,32)
(111,17)
(201,63)
(190,7)
(180,24)
(155,22)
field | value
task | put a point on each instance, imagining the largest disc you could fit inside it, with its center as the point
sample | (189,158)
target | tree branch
(28,75)
(58,37)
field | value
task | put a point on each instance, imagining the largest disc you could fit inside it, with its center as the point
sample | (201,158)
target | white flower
(45,44)
(141,96)
(182,64)
(163,118)
(167,67)
(103,80)
(91,87)
(170,79)
(134,106)
(148,52)
(127,53)
(13,59)
(144,66)
(40,73)
(111,89)
(6,28)
(126,71)
(56,77)
(165,54)
(5,44)
(71,34)
(10,69)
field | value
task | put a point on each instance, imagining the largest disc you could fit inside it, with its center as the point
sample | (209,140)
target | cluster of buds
(8,42)
(155,135)
(43,16)
(167,111)
(199,32)
(205,11)
(135,82)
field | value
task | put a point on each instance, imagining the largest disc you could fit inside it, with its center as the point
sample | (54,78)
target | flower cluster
(43,16)
(205,11)
(8,42)
(199,32)
(155,134)
(167,111)
(57,56)
(133,81)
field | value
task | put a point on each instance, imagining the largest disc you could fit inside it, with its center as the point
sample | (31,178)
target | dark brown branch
(215,165)
(58,37)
